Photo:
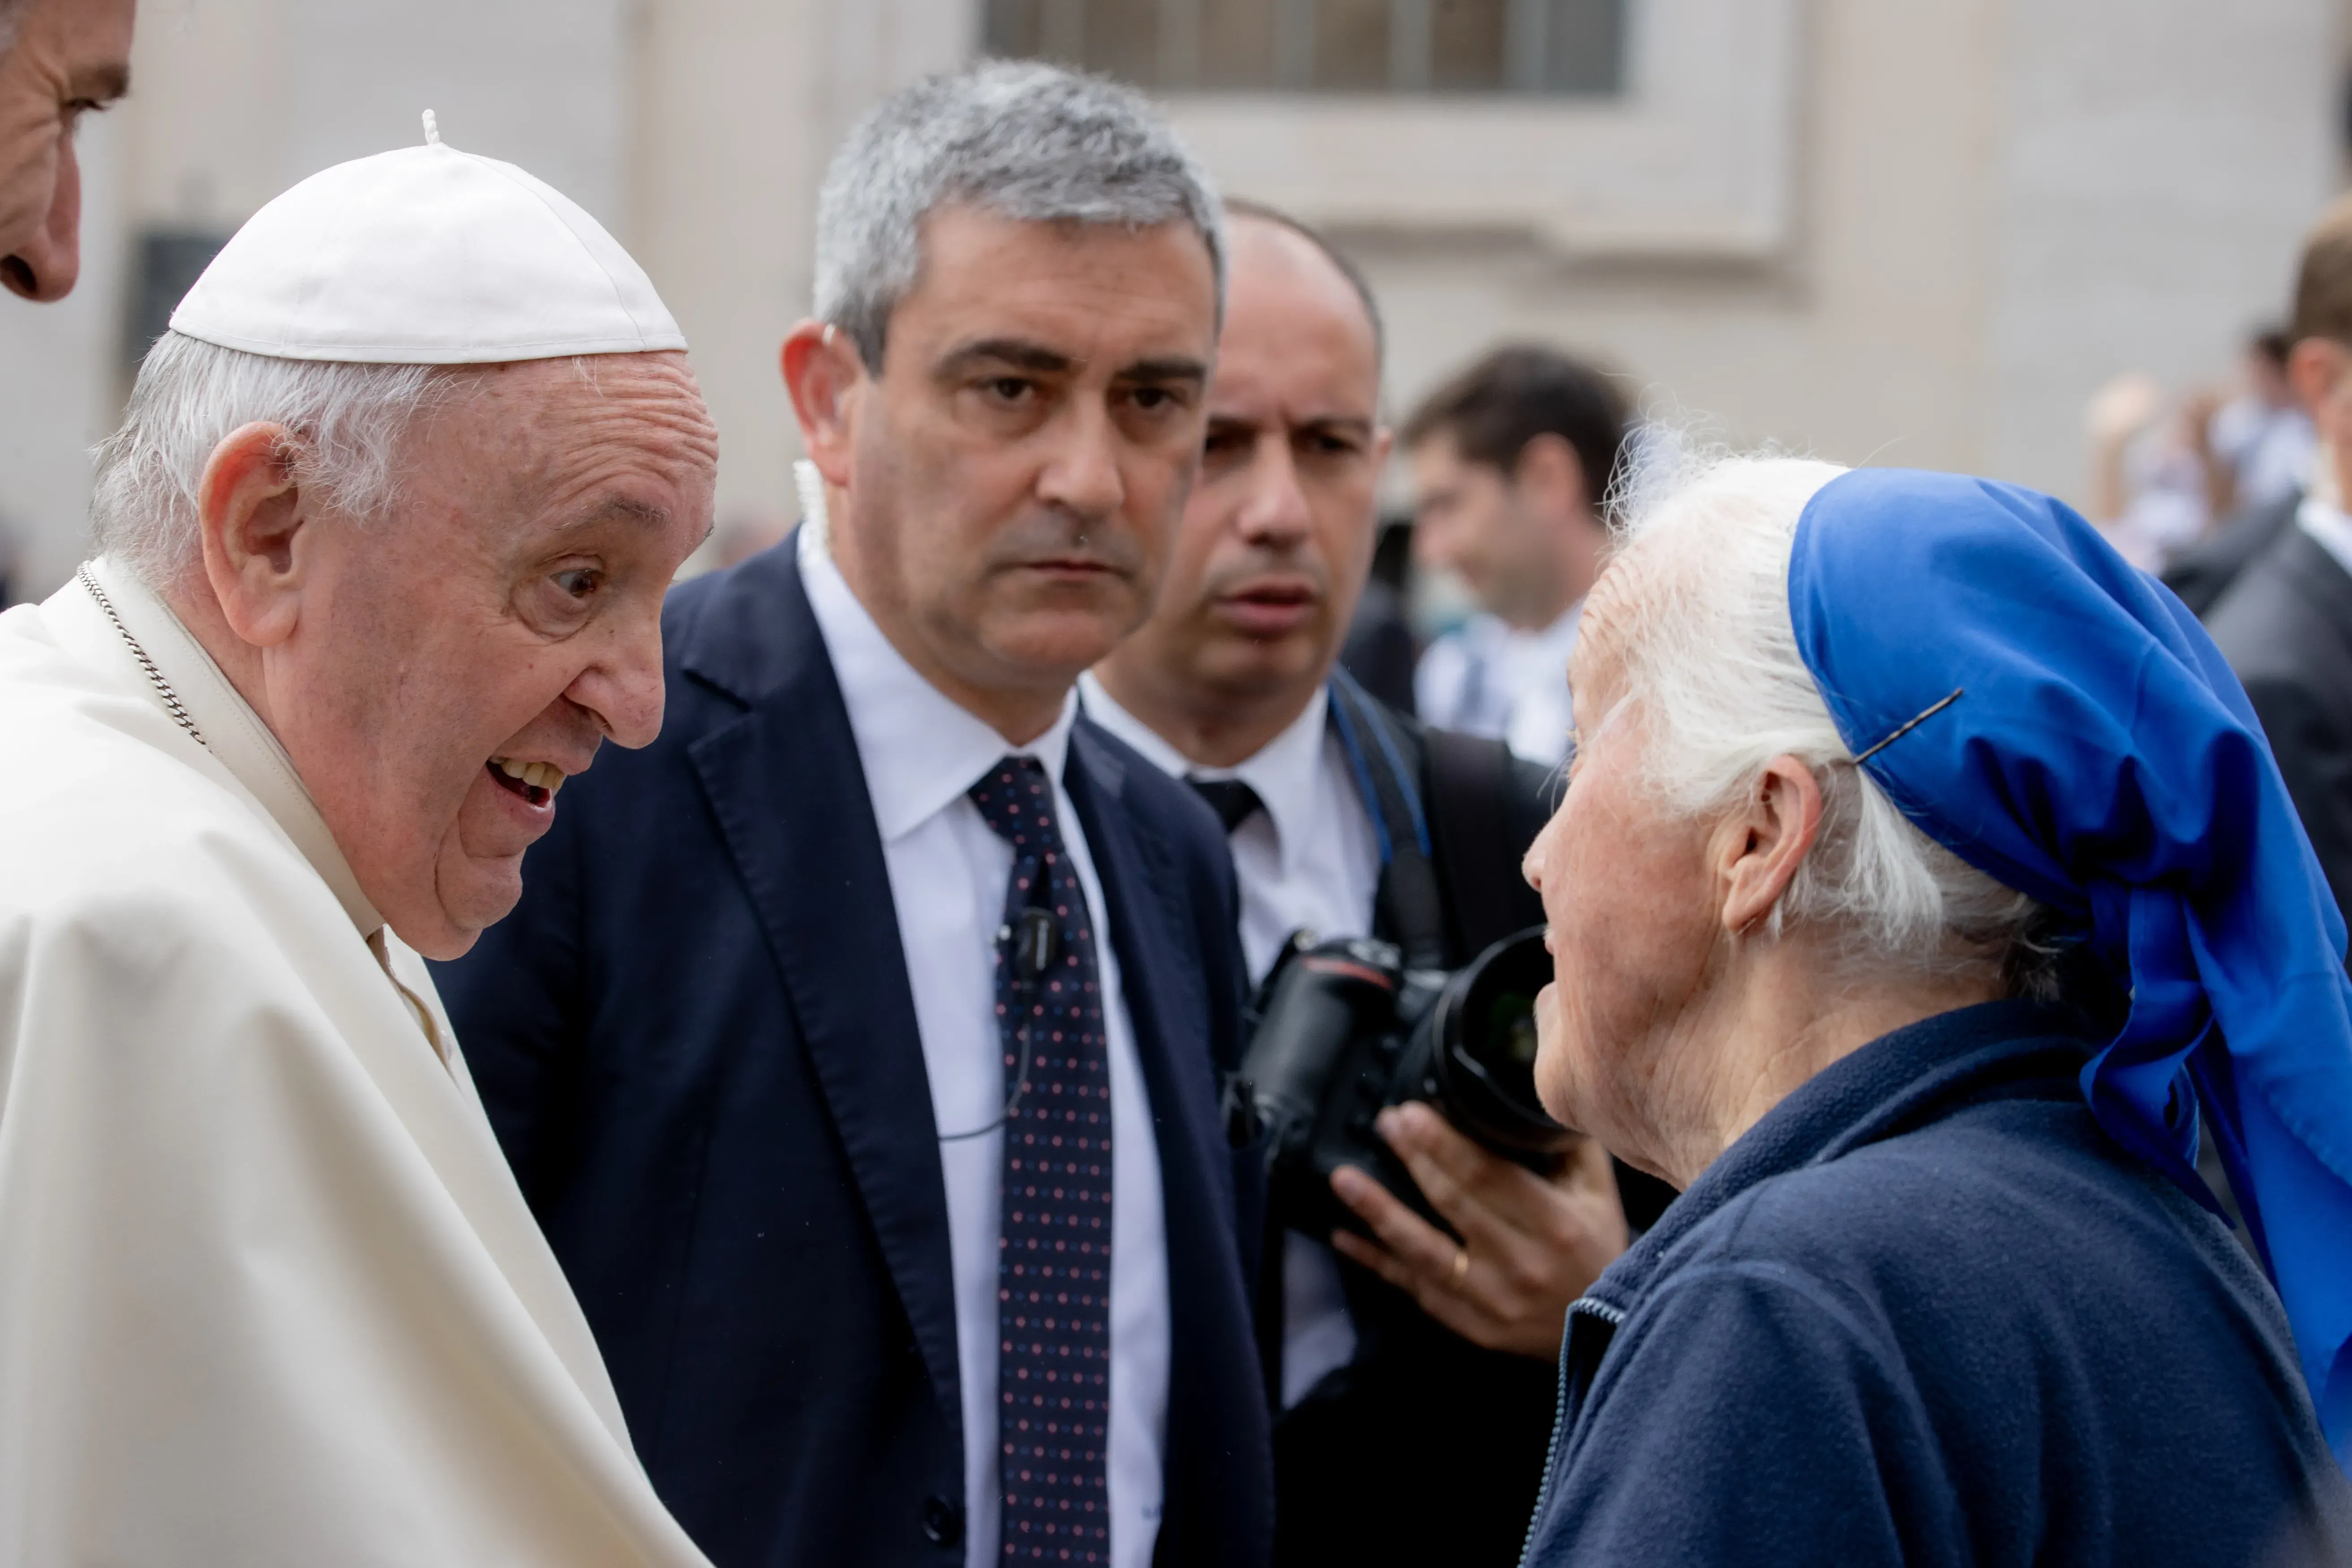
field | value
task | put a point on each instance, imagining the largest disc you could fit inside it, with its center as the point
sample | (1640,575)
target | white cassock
(268,1294)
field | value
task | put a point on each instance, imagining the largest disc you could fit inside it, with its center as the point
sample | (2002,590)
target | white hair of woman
(1711,657)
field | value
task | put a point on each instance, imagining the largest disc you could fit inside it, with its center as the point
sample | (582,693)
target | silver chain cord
(162,687)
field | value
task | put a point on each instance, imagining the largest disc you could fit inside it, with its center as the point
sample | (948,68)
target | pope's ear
(251,512)
(823,371)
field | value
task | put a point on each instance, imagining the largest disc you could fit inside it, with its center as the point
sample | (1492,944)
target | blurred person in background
(1432,1392)
(2260,442)
(1513,463)
(2204,572)
(2284,620)
(2191,489)
(2151,486)
(861,1056)
(2264,454)
(60,59)
(1943,1285)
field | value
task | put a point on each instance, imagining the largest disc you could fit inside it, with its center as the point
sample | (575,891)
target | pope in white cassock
(383,540)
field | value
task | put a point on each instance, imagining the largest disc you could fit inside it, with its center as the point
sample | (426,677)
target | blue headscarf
(2100,757)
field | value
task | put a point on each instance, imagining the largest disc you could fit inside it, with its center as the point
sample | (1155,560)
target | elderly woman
(1921,875)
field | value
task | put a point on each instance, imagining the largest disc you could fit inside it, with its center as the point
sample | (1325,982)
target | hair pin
(1925,714)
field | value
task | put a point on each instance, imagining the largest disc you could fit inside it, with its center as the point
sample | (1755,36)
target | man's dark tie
(1234,801)
(1052,1274)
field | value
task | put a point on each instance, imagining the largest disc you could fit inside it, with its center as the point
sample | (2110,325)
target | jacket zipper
(1613,1316)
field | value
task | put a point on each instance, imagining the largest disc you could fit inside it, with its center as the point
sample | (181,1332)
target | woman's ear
(254,519)
(1761,844)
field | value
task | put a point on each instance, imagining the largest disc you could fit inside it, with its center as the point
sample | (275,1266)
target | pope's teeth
(535,776)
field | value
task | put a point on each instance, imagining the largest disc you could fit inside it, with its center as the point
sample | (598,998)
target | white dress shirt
(1488,677)
(948,869)
(1309,859)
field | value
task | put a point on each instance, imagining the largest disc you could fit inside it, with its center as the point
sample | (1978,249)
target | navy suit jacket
(696,1039)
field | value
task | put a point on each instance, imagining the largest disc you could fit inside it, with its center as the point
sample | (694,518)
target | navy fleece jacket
(1925,1312)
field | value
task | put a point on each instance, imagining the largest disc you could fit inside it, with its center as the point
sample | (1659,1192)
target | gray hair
(1712,663)
(1029,142)
(346,422)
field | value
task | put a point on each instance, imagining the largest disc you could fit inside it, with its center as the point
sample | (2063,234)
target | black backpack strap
(1486,807)
(1409,905)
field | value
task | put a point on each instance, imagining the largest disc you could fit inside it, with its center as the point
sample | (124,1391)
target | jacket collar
(919,749)
(1898,1081)
(2314,569)
(786,786)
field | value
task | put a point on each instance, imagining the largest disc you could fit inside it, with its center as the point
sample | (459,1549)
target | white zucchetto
(426,256)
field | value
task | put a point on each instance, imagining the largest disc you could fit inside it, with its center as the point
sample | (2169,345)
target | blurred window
(1539,46)
(166,264)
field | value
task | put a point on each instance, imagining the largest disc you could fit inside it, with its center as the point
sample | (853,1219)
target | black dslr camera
(1345,1030)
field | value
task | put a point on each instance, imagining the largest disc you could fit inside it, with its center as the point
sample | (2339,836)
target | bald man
(60,59)
(1408,1368)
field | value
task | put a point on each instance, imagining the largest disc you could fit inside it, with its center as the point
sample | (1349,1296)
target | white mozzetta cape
(267,1292)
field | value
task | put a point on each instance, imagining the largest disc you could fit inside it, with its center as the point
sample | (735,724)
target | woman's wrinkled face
(1630,913)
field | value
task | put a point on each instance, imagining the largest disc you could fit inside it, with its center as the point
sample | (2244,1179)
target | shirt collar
(235,733)
(1285,772)
(920,750)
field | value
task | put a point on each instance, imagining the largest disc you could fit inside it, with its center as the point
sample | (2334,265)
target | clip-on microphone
(1034,943)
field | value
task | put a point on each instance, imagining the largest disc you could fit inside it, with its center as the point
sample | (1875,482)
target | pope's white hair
(1711,664)
(346,423)
(1025,140)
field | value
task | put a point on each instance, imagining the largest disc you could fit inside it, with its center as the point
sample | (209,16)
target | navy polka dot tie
(1053,1276)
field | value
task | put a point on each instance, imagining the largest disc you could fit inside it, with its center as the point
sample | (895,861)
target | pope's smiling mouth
(535,782)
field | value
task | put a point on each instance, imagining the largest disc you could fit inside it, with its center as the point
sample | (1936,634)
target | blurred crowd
(2169,471)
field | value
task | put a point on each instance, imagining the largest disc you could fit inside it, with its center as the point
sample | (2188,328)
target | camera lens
(1484,1056)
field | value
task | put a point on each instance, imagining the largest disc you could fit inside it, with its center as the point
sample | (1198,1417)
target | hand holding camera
(1530,1243)
(1404,1125)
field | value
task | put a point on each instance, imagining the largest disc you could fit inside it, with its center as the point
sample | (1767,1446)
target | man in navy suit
(859,1043)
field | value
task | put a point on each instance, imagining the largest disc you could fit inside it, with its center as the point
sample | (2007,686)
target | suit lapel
(1167,1000)
(1160,981)
(2323,580)
(1166,993)
(791,798)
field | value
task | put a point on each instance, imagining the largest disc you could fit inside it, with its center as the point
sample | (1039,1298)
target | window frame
(1694,160)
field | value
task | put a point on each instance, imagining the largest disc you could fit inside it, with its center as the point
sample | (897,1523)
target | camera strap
(1408,901)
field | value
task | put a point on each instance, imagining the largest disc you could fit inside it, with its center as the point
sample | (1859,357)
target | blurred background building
(1911,231)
